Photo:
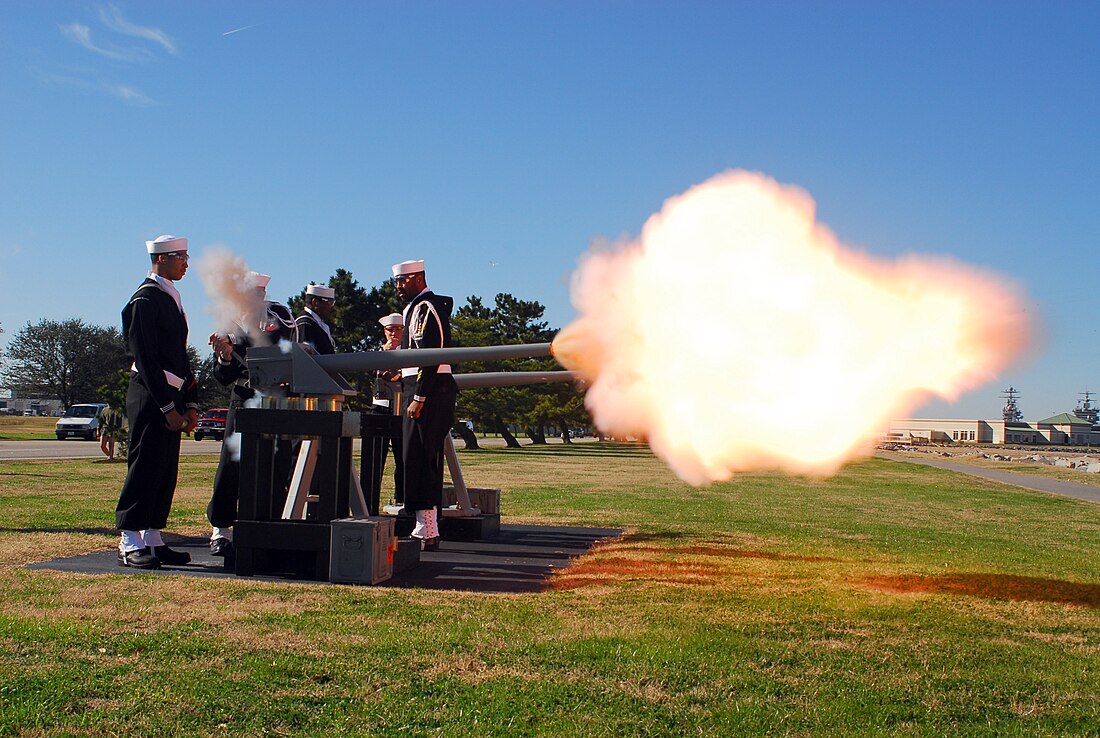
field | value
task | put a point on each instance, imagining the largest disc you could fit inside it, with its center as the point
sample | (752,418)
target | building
(1079,428)
(10,404)
(1064,429)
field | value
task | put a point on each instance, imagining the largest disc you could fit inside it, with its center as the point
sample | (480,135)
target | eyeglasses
(403,277)
(177,255)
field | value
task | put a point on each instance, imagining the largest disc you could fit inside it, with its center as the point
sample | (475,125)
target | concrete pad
(517,560)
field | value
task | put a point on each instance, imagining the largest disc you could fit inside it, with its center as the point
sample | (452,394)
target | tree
(355,324)
(354,321)
(511,321)
(212,393)
(67,360)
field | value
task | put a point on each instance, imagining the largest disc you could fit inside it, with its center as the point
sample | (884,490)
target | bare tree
(67,360)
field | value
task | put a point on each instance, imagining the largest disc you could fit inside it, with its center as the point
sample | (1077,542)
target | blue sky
(498,139)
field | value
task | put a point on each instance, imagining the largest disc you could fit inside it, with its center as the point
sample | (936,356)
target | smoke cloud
(738,334)
(235,305)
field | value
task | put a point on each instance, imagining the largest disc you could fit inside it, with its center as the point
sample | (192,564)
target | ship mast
(1085,409)
(1011,411)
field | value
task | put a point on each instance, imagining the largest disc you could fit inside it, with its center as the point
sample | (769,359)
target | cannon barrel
(297,371)
(369,361)
(475,380)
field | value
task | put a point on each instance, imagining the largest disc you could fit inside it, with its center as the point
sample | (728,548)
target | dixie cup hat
(166,245)
(408,267)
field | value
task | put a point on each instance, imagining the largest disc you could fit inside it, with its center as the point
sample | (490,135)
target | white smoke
(738,334)
(234,303)
(233,443)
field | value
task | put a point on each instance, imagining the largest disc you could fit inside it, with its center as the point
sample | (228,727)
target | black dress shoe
(429,544)
(221,547)
(139,559)
(170,557)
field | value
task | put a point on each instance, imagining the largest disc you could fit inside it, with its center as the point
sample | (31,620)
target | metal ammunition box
(361,551)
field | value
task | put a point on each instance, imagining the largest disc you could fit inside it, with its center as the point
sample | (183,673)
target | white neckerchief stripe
(321,322)
(167,286)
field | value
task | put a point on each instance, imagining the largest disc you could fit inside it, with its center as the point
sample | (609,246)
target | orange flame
(708,335)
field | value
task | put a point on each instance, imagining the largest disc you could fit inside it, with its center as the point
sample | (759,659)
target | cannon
(291,367)
(303,396)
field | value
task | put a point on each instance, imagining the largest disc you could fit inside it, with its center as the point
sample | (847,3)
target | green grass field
(17,428)
(890,599)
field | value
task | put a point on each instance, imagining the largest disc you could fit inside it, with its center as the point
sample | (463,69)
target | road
(73,449)
(1080,491)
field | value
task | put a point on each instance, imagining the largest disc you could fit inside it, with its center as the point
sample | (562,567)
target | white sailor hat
(392,319)
(318,290)
(408,267)
(258,280)
(166,244)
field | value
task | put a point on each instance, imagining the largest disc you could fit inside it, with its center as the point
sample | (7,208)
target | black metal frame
(263,541)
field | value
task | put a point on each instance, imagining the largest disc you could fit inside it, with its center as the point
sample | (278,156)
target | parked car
(211,424)
(80,421)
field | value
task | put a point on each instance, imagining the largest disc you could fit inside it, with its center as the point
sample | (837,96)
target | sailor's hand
(222,346)
(414,409)
(192,419)
(174,421)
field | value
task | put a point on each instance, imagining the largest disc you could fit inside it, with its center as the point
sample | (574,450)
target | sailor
(161,403)
(428,399)
(387,395)
(273,326)
(313,327)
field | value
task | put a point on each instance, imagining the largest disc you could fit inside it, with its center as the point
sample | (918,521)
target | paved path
(74,449)
(1018,479)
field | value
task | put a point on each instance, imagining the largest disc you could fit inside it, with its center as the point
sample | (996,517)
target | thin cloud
(112,17)
(10,249)
(242,28)
(82,35)
(114,21)
(130,95)
(86,80)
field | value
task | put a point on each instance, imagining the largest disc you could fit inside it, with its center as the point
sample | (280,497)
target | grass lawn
(892,598)
(18,428)
(1022,466)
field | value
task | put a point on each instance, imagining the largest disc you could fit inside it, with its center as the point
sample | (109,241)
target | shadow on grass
(587,449)
(993,587)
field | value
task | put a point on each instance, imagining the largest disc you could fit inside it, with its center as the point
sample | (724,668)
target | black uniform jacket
(427,325)
(156,334)
(277,325)
(311,332)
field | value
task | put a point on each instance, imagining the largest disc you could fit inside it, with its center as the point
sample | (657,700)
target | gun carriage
(304,529)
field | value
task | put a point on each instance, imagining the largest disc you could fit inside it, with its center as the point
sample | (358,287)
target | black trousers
(222,508)
(422,443)
(152,464)
(384,444)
